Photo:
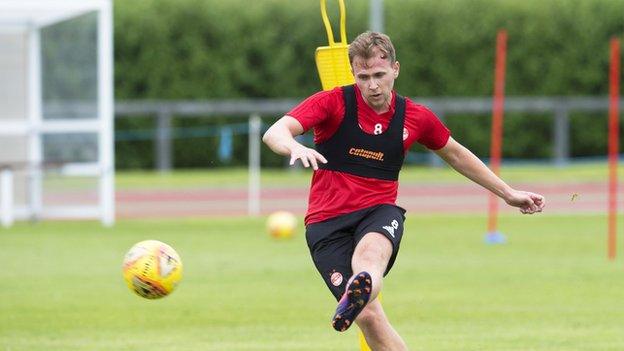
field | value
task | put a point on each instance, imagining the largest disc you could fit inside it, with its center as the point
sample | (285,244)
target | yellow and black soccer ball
(152,269)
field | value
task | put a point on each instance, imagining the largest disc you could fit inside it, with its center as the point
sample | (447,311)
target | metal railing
(558,107)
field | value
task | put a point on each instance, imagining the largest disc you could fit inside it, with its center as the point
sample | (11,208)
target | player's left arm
(466,163)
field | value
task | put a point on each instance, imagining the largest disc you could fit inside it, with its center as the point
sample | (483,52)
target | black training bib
(351,150)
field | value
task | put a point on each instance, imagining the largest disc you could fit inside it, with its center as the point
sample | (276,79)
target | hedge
(207,49)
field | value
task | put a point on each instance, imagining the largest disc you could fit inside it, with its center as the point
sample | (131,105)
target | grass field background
(549,288)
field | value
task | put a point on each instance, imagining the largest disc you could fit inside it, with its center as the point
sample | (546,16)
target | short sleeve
(434,134)
(316,109)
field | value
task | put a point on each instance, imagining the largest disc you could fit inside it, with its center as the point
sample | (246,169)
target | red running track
(464,198)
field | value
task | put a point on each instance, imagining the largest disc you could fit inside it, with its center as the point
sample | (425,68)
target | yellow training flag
(332,62)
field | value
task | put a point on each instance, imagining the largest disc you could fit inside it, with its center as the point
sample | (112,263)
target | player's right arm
(280,138)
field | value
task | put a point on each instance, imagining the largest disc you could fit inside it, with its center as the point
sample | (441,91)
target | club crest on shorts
(336,278)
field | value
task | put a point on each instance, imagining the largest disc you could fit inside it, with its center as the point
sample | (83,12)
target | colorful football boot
(352,301)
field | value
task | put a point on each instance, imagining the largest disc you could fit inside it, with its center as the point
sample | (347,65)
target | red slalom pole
(614,142)
(493,236)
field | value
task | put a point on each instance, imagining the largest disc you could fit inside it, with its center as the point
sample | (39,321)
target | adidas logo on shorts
(392,227)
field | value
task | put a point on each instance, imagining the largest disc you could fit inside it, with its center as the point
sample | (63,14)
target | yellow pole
(363,345)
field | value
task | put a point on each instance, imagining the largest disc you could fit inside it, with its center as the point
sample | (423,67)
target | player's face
(375,79)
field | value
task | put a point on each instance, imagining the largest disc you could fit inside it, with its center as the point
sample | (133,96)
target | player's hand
(527,202)
(308,156)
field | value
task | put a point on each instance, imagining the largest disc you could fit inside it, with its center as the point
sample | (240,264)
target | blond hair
(364,44)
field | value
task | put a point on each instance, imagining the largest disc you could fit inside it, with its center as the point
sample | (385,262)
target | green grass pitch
(549,288)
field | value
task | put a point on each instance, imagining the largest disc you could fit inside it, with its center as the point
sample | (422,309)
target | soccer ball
(152,269)
(281,224)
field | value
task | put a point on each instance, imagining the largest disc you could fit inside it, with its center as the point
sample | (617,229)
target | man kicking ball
(353,224)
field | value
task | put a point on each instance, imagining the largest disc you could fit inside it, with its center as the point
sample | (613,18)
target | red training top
(334,193)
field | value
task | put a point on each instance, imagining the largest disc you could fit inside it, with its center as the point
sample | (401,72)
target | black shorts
(332,242)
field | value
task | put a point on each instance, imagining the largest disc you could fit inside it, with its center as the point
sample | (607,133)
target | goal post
(56,108)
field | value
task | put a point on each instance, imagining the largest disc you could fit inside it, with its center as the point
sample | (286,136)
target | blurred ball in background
(281,224)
